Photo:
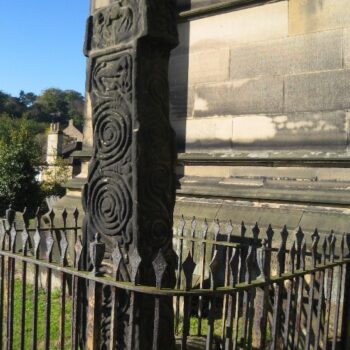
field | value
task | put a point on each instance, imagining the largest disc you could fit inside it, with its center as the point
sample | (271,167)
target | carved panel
(112,76)
(111,25)
(108,195)
(130,195)
(112,132)
(110,204)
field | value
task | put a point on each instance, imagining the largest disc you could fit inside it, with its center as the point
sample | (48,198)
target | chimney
(54,143)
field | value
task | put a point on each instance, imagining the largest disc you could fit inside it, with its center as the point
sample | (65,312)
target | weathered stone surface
(305,130)
(245,96)
(305,53)
(88,139)
(130,194)
(347,48)
(318,91)
(329,220)
(235,27)
(200,67)
(254,171)
(301,130)
(272,190)
(209,134)
(267,213)
(312,16)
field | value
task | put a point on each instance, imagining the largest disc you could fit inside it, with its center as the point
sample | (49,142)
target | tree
(3,99)
(37,113)
(11,106)
(19,168)
(75,103)
(53,103)
(27,98)
(56,175)
(60,106)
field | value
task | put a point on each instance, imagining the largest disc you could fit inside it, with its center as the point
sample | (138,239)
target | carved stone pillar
(130,194)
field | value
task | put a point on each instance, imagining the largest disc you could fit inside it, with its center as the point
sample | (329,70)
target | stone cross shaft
(130,194)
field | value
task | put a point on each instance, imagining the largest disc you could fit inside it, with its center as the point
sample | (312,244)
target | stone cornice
(212,9)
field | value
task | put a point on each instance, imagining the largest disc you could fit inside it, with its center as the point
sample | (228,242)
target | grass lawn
(55,318)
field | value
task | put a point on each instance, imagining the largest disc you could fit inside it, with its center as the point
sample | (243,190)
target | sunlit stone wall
(274,76)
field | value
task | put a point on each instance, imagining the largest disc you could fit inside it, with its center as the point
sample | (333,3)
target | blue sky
(41,43)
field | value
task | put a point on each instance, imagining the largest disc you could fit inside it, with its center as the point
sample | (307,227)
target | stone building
(260,99)
(62,143)
(54,143)
(73,133)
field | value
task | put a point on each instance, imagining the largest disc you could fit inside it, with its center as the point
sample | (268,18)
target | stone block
(326,222)
(318,91)
(307,16)
(248,213)
(88,133)
(205,170)
(279,217)
(190,207)
(309,130)
(201,67)
(301,130)
(234,27)
(204,134)
(294,173)
(304,53)
(347,48)
(245,96)
(181,102)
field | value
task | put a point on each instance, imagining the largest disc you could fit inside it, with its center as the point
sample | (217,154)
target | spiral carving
(112,132)
(110,204)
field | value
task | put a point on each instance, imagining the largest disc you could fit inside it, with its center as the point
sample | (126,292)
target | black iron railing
(234,290)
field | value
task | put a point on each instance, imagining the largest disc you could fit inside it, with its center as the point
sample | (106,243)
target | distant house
(72,132)
(62,143)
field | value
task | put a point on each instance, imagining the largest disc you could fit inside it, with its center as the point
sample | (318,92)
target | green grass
(55,318)
(218,329)
(204,330)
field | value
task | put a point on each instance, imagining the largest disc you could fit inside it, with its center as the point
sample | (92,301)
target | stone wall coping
(211,9)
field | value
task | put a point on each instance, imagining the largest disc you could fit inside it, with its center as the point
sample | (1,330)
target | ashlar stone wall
(274,76)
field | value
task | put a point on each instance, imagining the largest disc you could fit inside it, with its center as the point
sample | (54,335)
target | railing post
(345,338)
(130,194)
(97,250)
(262,298)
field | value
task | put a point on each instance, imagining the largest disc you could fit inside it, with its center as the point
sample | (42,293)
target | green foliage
(56,175)
(8,125)
(53,102)
(60,106)
(19,166)
(27,98)
(23,124)
(53,105)
(11,106)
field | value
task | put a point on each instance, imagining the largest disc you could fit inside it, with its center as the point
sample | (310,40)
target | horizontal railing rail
(249,290)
